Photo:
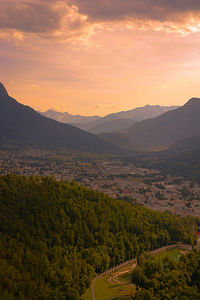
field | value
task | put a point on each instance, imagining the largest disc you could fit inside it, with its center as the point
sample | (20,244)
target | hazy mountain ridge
(66,117)
(111,122)
(177,128)
(141,113)
(168,128)
(22,126)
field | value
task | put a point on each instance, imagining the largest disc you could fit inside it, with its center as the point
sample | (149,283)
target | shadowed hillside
(172,126)
(22,126)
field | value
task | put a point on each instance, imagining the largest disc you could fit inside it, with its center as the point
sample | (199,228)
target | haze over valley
(111,122)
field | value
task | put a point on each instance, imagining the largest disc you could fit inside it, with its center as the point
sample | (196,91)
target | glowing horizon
(93,57)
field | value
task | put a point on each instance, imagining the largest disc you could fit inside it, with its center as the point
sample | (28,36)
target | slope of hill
(111,125)
(177,163)
(54,236)
(3,92)
(165,130)
(20,125)
(121,140)
(185,145)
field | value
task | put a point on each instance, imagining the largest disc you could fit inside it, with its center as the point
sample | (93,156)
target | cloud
(80,19)
(159,10)
(38,17)
(41,18)
(14,35)
(181,16)
(106,106)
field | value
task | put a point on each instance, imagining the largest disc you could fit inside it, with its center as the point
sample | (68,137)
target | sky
(93,57)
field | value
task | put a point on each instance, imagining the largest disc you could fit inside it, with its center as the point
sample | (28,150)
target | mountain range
(112,122)
(177,129)
(169,128)
(22,126)
(65,117)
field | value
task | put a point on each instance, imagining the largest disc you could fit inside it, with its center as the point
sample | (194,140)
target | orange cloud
(80,19)
(161,15)
(106,106)
(158,10)
(41,18)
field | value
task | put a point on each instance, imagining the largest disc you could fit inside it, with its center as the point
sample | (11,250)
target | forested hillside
(167,279)
(54,236)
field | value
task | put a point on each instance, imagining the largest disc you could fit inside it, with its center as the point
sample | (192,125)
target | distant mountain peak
(193,100)
(51,110)
(3,91)
(193,105)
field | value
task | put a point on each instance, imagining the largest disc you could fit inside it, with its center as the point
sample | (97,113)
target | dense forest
(157,280)
(55,235)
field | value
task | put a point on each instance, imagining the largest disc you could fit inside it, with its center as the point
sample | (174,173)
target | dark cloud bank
(160,10)
(44,17)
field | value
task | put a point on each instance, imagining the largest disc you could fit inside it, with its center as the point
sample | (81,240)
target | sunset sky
(100,56)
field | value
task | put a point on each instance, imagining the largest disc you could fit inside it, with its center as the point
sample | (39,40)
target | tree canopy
(55,235)
(167,279)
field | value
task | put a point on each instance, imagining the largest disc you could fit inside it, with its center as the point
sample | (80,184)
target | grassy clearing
(125,278)
(122,298)
(87,295)
(106,289)
(173,255)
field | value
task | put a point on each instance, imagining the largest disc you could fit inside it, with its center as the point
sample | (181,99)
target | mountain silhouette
(22,126)
(3,91)
(169,128)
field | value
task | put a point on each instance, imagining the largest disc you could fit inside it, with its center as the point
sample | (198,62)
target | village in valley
(113,176)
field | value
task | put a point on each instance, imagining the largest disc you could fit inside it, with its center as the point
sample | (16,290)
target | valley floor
(110,175)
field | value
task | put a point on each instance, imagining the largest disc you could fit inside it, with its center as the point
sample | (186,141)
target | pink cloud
(79,19)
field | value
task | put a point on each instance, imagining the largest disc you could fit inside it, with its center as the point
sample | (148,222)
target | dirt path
(115,280)
(92,287)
